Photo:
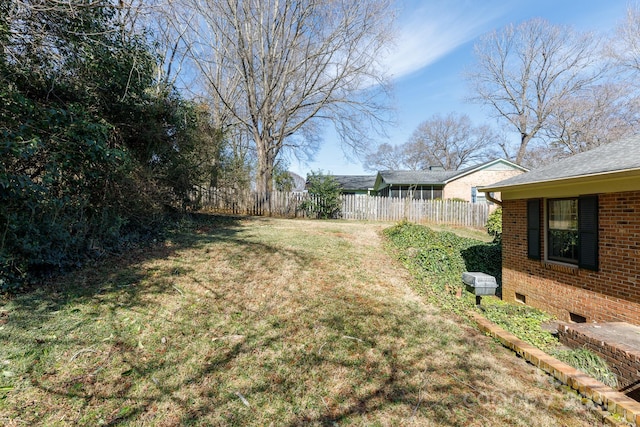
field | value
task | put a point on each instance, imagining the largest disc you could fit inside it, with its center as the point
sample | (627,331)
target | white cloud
(430,31)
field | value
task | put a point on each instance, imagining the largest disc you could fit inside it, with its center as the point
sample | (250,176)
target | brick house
(437,183)
(571,235)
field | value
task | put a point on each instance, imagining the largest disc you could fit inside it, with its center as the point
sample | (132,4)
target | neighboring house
(356,184)
(437,183)
(571,235)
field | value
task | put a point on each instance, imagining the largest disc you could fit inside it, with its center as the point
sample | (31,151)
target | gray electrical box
(480,283)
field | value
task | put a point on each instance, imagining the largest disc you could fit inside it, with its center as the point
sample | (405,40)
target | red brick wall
(610,294)
(623,360)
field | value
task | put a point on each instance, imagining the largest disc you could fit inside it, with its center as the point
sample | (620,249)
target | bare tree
(386,157)
(627,44)
(593,117)
(524,72)
(603,112)
(279,68)
(168,39)
(450,142)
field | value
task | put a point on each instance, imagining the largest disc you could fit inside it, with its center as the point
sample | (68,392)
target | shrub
(325,201)
(494,225)
(523,321)
(92,147)
(443,254)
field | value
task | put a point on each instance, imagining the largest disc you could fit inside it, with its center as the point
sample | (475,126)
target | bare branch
(523,72)
(279,68)
(450,142)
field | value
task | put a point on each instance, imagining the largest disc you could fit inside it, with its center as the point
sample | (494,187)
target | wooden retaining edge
(613,401)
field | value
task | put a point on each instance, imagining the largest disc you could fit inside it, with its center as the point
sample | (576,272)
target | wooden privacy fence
(452,212)
(356,207)
(277,203)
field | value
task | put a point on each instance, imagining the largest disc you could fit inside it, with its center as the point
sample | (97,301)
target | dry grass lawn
(259,322)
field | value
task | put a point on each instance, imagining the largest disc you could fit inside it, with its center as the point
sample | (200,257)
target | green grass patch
(258,322)
(589,363)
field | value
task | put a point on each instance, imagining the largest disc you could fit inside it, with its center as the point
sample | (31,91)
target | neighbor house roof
(355,182)
(419,177)
(504,163)
(437,177)
(613,163)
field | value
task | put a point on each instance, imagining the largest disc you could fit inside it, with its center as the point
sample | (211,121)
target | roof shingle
(613,157)
(416,177)
(355,182)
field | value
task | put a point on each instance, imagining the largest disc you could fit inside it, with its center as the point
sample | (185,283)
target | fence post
(354,207)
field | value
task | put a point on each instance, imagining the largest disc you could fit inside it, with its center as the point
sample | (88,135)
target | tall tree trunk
(278,69)
(266,160)
(522,151)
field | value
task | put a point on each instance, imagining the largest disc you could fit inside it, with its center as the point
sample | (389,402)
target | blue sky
(435,46)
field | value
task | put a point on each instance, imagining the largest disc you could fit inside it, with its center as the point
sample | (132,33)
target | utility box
(479,284)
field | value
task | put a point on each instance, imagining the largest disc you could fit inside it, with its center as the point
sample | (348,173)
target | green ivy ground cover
(437,260)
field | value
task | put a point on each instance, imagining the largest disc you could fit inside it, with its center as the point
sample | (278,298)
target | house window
(562,230)
(571,230)
(417,192)
(436,193)
(477,196)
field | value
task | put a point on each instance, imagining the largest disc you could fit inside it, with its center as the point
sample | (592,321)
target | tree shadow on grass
(123,273)
(122,270)
(459,382)
(369,356)
(49,326)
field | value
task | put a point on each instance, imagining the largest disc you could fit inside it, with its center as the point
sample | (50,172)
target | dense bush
(494,225)
(92,147)
(325,201)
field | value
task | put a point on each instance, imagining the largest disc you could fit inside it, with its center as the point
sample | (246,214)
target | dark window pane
(563,230)
(563,245)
